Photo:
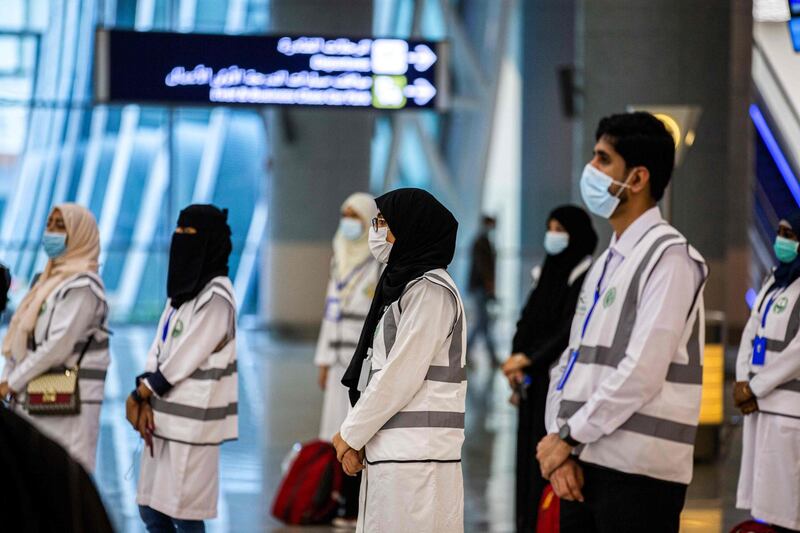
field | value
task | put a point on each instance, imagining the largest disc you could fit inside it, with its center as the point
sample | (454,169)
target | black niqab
(787,273)
(196,259)
(425,239)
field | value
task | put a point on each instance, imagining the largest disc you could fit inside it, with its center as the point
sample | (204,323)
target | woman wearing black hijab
(407,378)
(184,405)
(767,391)
(542,335)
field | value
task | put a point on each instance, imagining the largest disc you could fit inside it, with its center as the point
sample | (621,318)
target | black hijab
(553,281)
(787,273)
(425,233)
(196,259)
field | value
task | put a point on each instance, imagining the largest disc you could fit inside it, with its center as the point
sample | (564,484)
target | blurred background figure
(482,286)
(354,275)
(766,391)
(61,323)
(542,334)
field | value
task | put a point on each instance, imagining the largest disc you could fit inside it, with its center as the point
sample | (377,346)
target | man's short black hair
(642,140)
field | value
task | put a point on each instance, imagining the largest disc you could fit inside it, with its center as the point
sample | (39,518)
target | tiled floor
(279,405)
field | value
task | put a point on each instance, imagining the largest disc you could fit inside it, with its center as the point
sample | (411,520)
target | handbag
(56,392)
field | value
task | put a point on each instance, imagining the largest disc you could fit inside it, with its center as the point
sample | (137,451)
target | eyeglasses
(378,222)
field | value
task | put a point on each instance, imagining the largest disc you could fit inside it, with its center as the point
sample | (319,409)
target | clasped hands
(744,398)
(352,460)
(557,465)
(140,415)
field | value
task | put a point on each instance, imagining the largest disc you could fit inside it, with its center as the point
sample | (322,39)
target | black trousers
(616,502)
(530,430)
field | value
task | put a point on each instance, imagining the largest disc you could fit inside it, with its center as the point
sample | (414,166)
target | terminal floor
(279,404)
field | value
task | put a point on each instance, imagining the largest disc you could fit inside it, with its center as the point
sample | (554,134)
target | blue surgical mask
(594,190)
(786,249)
(555,242)
(351,228)
(54,243)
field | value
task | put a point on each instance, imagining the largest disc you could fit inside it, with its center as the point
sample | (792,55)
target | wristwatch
(564,435)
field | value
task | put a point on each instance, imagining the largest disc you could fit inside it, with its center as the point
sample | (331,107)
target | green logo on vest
(781,305)
(611,295)
(178,329)
(43,308)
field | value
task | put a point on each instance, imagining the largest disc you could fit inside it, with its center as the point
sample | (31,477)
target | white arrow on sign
(422,58)
(421,91)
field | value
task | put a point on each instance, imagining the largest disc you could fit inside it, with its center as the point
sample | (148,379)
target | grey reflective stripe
(650,426)
(91,373)
(453,372)
(214,373)
(791,331)
(194,413)
(95,345)
(389,331)
(661,428)
(614,354)
(426,419)
(343,344)
(692,372)
(353,316)
(790,386)
(210,287)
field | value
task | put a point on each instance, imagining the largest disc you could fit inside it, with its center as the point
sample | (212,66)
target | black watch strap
(564,434)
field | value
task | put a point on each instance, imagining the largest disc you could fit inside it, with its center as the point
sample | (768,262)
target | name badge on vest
(333,309)
(366,368)
(759,350)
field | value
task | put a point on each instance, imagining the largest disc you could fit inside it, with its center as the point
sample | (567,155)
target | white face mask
(378,245)
(555,242)
(594,190)
(351,228)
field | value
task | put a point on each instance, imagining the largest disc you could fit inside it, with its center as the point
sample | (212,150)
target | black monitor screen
(182,68)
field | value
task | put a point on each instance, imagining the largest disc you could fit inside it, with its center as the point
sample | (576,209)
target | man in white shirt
(625,396)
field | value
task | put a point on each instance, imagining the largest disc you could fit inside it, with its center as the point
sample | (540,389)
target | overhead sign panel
(181,68)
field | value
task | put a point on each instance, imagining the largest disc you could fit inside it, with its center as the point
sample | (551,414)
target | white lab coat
(346,308)
(410,418)
(198,358)
(769,479)
(72,313)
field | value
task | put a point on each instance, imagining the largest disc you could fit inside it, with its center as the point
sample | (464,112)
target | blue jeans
(158,522)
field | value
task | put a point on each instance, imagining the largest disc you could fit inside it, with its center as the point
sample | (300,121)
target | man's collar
(633,234)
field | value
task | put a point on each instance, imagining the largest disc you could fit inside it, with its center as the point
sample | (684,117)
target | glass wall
(133,166)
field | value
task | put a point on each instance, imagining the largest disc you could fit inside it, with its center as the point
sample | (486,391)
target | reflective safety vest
(202,409)
(658,440)
(431,426)
(93,368)
(777,312)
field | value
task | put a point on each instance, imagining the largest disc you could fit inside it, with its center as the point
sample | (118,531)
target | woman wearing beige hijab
(63,312)
(354,275)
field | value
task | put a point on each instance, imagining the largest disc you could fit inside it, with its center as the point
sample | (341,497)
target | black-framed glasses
(378,222)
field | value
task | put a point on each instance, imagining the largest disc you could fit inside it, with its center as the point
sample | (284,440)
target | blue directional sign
(182,68)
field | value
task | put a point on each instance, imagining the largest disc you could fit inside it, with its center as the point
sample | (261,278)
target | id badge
(366,368)
(333,309)
(573,356)
(759,350)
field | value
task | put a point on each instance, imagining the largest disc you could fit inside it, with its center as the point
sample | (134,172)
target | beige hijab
(83,249)
(348,254)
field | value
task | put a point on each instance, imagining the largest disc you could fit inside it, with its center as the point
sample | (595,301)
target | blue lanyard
(341,285)
(574,355)
(771,301)
(166,326)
